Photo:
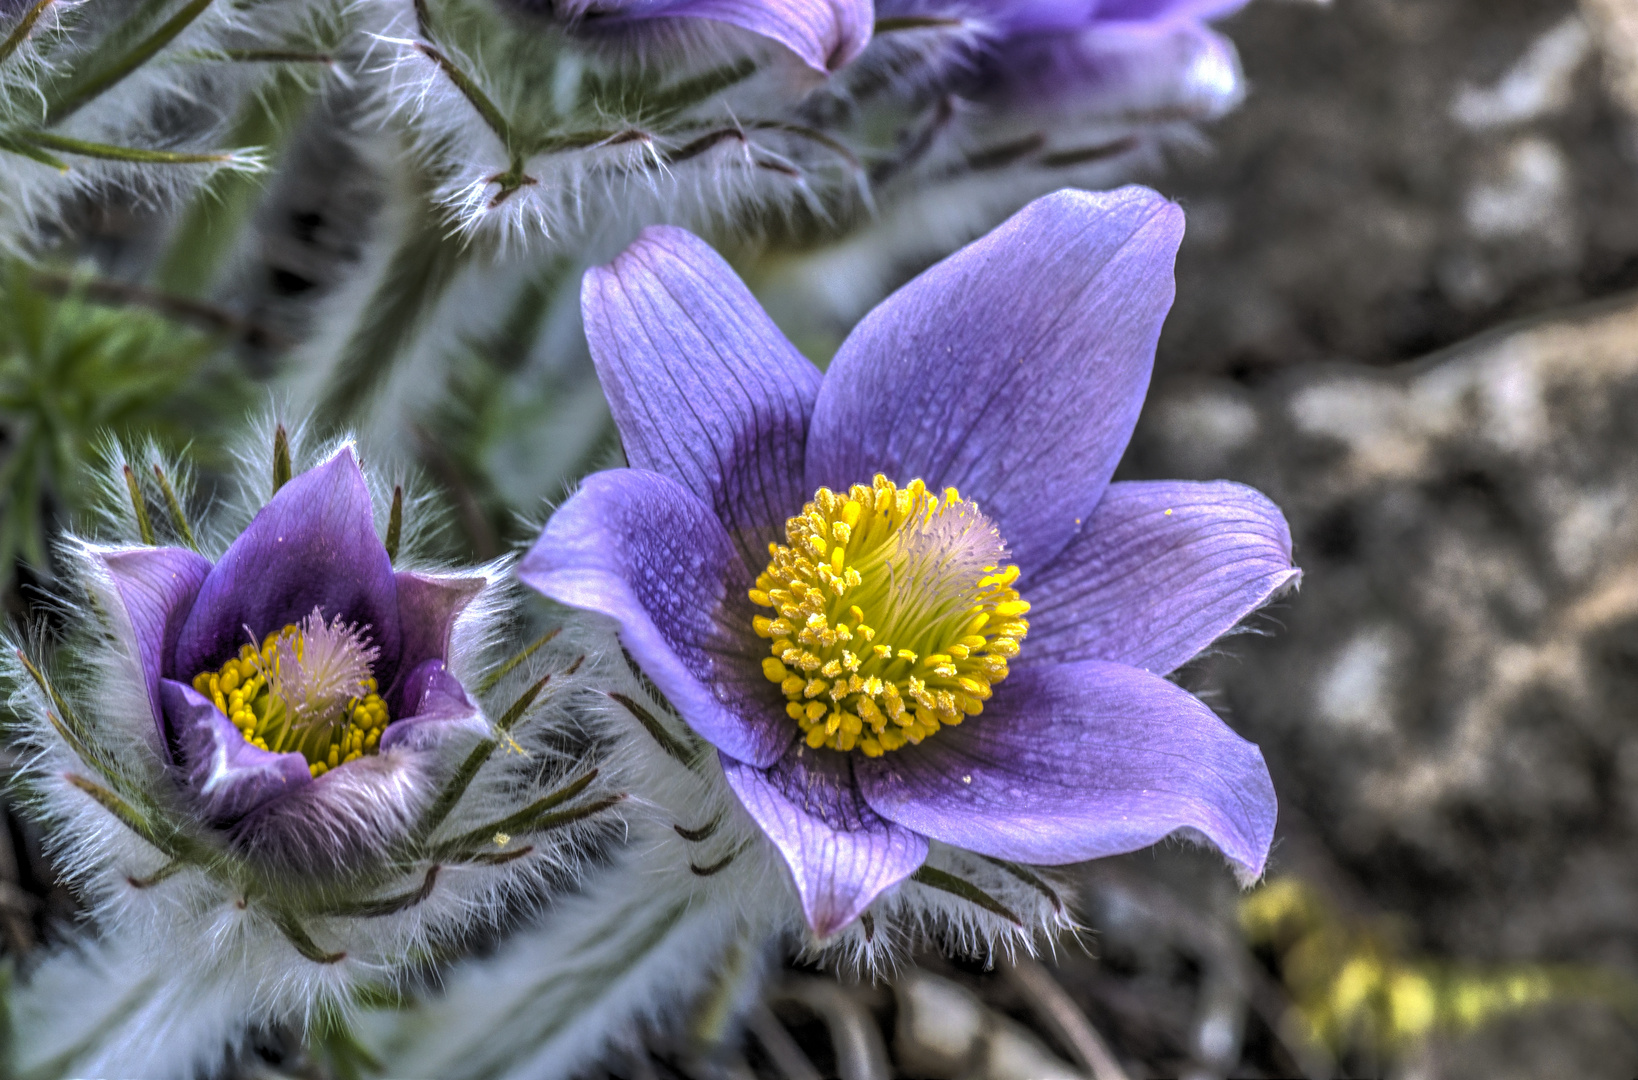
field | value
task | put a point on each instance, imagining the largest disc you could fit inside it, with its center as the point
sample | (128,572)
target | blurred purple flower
(826,34)
(1012,372)
(1107,56)
(299,685)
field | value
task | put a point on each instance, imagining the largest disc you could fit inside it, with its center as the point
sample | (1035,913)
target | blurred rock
(946,1032)
(1404,174)
(1448,706)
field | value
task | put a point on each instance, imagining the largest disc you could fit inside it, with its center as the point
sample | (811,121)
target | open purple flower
(826,34)
(830,576)
(299,685)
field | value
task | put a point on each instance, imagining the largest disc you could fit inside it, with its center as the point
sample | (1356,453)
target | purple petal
(1001,17)
(1161,571)
(1039,16)
(703,386)
(428,605)
(1013,370)
(228,776)
(1166,11)
(1169,68)
(1079,761)
(434,706)
(157,587)
(842,854)
(825,34)
(640,548)
(313,545)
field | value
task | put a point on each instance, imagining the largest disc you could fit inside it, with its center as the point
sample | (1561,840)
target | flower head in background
(1092,58)
(299,685)
(903,599)
(825,34)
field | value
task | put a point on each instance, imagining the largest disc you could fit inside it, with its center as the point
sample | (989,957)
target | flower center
(308,690)
(894,614)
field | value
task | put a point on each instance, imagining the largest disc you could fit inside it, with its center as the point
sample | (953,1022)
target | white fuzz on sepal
(111,98)
(697,888)
(535,134)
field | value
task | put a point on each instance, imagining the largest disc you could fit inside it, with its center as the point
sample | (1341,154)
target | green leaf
(944,881)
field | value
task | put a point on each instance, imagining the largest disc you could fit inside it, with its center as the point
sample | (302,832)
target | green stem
(493,679)
(20,32)
(179,520)
(275,56)
(395,523)
(33,153)
(514,177)
(139,507)
(107,152)
(916,22)
(520,821)
(958,886)
(281,458)
(86,91)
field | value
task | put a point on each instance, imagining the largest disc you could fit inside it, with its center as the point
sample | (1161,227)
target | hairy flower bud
(284,770)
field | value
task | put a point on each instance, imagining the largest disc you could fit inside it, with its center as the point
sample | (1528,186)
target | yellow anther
(872,580)
(331,714)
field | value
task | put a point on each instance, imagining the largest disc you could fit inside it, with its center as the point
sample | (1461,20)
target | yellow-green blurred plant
(1356,990)
(72,371)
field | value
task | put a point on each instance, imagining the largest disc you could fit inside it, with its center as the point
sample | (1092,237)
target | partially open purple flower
(829,576)
(1109,56)
(299,686)
(826,34)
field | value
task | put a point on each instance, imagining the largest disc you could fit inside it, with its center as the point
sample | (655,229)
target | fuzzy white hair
(696,889)
(200,935)
(181,99)
(733,155)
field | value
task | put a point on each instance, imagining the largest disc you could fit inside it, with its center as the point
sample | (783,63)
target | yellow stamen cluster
(247,689)
(894,615)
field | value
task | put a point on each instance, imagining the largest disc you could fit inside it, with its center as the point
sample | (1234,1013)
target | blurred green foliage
(74,370)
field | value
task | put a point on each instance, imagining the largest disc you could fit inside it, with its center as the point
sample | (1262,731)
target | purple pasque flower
(825,34)
(829,575)
(299,686)
(1104,56)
